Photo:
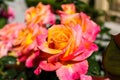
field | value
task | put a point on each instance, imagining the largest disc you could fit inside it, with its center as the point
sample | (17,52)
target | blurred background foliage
(9,69)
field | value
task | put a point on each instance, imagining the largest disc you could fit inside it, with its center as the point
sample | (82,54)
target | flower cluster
(62,47)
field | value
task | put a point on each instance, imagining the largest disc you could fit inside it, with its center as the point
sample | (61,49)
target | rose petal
(42,45)
(30,61)
(78,34)
(85,77)
(46,49)
(37,70)
(49,66)
(90,28)
(72,71)
(69,8)
(86,53)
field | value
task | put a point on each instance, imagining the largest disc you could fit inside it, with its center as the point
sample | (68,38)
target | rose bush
(63,47)
(67,45)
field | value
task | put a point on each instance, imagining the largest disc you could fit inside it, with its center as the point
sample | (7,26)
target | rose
(7,35)
(25,44)
(11,14)
(61,37)
(67,51)
(68,9)
(69,17)
(41,14)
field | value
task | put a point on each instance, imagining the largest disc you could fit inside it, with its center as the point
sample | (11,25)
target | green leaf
(111,58)
(22,75)
(10,0)
(3,21)
(10,74)
(8,60)
(104,30)
(94,67)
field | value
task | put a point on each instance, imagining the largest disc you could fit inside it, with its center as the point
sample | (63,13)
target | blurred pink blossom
(8,14)
(41,14)
(63,48)
(7,35)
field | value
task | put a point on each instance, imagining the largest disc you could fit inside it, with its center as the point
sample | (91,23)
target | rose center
(59,40)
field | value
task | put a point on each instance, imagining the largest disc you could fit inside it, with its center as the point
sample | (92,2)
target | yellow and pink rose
(7,35)
(41,14)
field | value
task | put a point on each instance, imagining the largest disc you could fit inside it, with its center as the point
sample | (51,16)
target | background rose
(70,17)
(7,35)
(41,14)
(26,45)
